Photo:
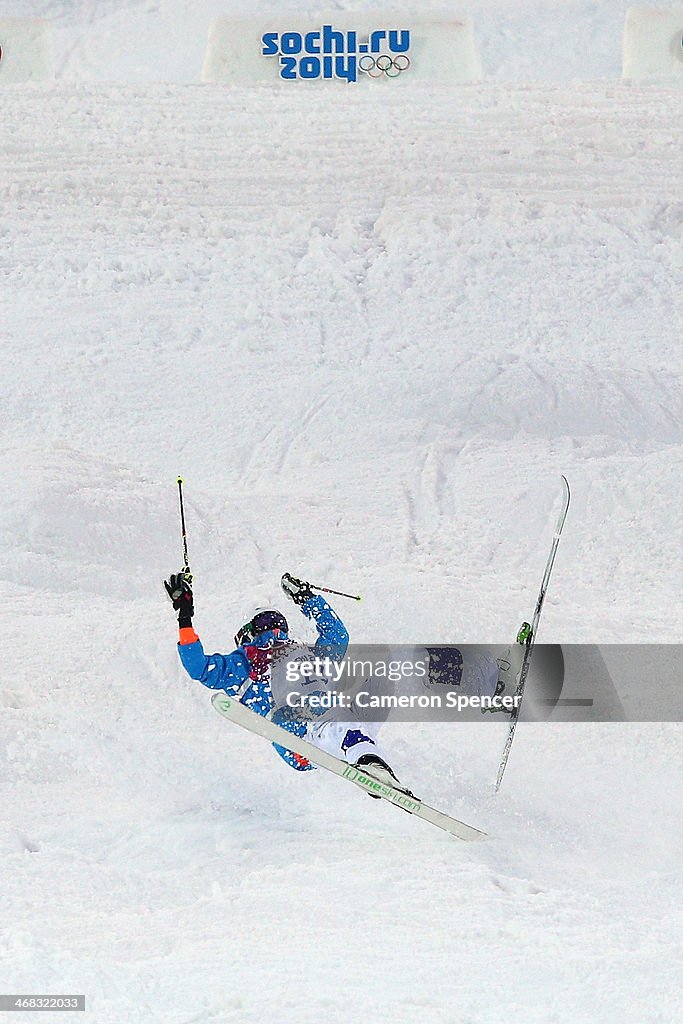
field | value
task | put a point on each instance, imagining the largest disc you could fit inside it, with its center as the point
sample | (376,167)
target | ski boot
(380,770)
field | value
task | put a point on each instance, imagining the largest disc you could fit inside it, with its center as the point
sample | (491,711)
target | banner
(352,49)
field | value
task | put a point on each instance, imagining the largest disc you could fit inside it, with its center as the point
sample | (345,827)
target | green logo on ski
(368,782)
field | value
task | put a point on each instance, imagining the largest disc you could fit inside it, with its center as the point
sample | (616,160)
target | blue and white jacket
(246,672)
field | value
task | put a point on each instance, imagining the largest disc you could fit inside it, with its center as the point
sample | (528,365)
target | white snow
(370,331)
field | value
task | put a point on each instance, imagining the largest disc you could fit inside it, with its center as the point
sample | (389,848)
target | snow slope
(370,331)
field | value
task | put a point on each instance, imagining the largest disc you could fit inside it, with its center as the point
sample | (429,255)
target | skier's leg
(350,741)
(345,740)
(355,742)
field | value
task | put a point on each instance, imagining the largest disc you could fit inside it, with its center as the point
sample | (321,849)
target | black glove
(297,590)
(180,594)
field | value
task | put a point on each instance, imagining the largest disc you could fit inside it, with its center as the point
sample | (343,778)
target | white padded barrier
(359,48)
(25,50)
(653,44)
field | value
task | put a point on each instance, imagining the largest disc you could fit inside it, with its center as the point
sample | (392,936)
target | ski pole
(186,566)
(339,593)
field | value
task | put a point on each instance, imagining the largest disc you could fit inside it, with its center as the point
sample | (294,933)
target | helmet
(265,620)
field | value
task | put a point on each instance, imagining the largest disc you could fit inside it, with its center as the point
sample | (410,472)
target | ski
(247,719)
(527,633)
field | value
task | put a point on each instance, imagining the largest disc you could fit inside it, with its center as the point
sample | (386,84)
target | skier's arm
(217,671)
(333,637)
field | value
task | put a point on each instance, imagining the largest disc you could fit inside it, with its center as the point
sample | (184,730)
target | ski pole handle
(186,565)
(339,593)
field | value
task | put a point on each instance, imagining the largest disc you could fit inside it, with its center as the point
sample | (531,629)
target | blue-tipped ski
(527,634)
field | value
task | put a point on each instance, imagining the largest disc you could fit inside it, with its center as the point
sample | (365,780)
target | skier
(254,672)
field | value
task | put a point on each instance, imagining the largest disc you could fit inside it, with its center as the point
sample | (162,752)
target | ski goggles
(263,622)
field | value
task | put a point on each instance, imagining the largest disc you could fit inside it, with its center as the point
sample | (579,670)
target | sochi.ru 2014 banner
(330,53)
(343,47)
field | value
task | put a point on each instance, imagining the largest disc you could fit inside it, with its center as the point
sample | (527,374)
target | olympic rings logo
(391,67)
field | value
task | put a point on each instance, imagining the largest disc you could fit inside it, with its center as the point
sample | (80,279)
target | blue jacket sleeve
(217,671)
(333,638)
